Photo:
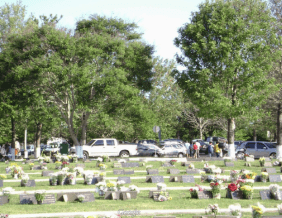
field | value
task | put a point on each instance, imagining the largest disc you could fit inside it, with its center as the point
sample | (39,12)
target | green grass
(181,198)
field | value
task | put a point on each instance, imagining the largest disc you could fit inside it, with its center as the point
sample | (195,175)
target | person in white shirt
(198,150)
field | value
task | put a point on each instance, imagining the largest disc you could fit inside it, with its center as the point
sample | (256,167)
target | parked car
(256,148)
(214,139)
(29,148)
(149,150)
(178,150)
(51,149)
(171,141)
(147,141)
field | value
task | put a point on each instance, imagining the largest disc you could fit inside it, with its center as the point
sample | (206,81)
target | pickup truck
(108,146)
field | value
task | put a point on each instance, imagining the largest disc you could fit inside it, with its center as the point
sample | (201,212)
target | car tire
(180,155)
(85,155)
(272,155)
(124,154)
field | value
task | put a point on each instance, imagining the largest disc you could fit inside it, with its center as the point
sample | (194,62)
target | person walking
(187,145)
(195,147)
(217,149)
(198,149)
(210,149)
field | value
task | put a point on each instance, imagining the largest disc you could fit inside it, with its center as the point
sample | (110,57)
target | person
(195,147)
(217,149)
(7,148)
(210,149)
(187,145)
(198,149)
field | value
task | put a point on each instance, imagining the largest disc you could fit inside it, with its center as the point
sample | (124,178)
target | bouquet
(264,176)
(164,196)
(111,186)
(215,189)
(2,176)
(99,159)
(262,161)
(275,191)
(216,170)
(47,159)
(173,162)
(25,178)
(235,209)
(120,184)
(102,166)
(232,187)
(31,166)
(247,191)
(65,158)
(212,209)
(191,166)
(234,174)
(78,170)
(194,193)
(58,164)
(64,164)
(101,185)
(257,211)
(251,175)
(134,188)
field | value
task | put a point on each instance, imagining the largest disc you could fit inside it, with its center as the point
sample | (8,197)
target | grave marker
(229,164)
(49,199)
(89,197)
(4,199)
(152,171)
(275,178)
(237,195)
(192,171)
(268,164)
(127,172)
(125,179)
(30,183)
(118,172)
(185,164)
(28,199)
(204,194)
(117,165)
(157,179)
(173,171)
(270,170)
(265,195)
(46,173)
(36,167)
(167,164)
(130,164)
(187,179)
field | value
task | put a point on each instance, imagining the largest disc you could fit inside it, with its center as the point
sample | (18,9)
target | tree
(228,49)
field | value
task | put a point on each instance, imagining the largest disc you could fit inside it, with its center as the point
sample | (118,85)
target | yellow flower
(169,198)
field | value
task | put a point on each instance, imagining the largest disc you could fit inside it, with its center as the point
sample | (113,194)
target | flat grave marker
(229,164)
(267,159)
(111,195)
(130,164)
(117,165)
(118,172)
(274,178)
(128,195)
(49,199)
(1,183)
(173,171)
(71,196)
(185,164)
(204,194)
(237,195)
(192,171)
(28,199)
(4,199)
(167,164)
(36,167)
(152,171)
(268,164)
(265,195)
(46,173)
(30,183)
(187,179)
(89,197)
(125,179)
(157,179)
(127,172)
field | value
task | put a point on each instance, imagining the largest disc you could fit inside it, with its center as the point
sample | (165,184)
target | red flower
(232,187)
(216,184)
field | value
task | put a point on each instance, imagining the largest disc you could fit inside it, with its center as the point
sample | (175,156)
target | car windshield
(90,143)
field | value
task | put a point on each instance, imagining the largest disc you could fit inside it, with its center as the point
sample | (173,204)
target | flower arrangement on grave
(58,164)
(25,178)
(105,158)
(216,171)
(193,192)
(53,178)
(246,155)
(41,159)
(203,176)
(163,196)
(248,164)
(215,189)
(191,166)
(247,191)
(161,186)
(279,207)
(102,175)
(235,209)
(2,176)
(250,175)
(264,176)
(58,157)
(112,186)
(262,161)
(16,171)
(80,198)
(2,215)
(134,188)
(7,191)
(31,165)
(206,164)
(234,175)
(88,178)
(78,170)
(275,191)
(99,159)
(43,166)
(65,163)
(258,210)
(212,209)
(120,185)
(173,162)
(232,187)
(47,159)
(101,187)
(96,173)
(65,159)
(61,177)
(39,195)
(209,168)
(102,166)
(72,178)
(74,158)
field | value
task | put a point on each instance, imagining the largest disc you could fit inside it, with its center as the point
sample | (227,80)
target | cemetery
(66,187)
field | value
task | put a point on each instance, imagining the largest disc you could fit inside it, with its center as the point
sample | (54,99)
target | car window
(110,142)
(99,143)
(270,145)
(260,146)
(90,143)
(250,145)
(167,146)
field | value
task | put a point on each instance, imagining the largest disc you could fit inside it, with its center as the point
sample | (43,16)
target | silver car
(178,150)
(257,148)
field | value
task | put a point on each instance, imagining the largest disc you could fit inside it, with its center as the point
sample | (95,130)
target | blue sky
(157,19)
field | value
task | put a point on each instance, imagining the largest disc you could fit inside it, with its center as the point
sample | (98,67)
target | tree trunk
(83,130)
(254,134)
(38,139)
(230,135)
(279,132)
(13,138)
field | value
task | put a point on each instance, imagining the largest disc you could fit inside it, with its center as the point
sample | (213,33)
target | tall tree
(228,49)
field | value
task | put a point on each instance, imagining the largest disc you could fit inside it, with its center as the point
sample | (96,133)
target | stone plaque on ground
(268,164)
(128,195)
(187,179)
(270,170)
(192,171)
(204,194)
(157,179)
(1,183)
(28,199)
(49,199)
(127,172)
(30,183)
(109,195)
(71,196)
(36,167)
(229,164)
(130,164)
(237,195)
(265,195)
(267,159)
(173,171)
(152,171)
(46,173)
(80,165)
(167,164)
(89,197)
(4,199)
(117,165)
(125,179)
(274,178)
(118,172)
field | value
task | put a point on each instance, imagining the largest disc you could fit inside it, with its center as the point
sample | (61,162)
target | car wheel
(124,154)
(240,155)
(272,155)
(85,155)
(180,155)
